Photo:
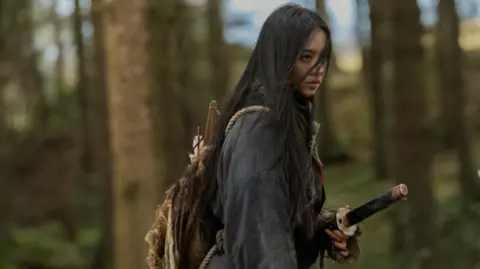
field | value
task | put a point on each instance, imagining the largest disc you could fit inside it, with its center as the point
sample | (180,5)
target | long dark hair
(282,38)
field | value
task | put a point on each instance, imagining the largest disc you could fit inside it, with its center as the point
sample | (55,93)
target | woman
(262,185)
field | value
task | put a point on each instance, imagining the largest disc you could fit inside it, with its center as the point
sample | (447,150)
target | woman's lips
(313,84)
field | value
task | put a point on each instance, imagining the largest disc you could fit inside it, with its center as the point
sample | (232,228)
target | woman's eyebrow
(313,51)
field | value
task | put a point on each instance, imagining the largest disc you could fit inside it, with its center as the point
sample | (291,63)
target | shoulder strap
(243,112)
(217,247)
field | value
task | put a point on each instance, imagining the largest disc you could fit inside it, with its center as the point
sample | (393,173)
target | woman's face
(312,78)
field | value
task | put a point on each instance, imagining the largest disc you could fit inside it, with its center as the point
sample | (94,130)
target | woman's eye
(306,57)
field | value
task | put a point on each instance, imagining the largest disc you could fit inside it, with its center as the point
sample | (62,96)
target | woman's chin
(309,93)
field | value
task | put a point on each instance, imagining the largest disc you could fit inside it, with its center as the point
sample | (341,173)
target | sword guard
(342,222)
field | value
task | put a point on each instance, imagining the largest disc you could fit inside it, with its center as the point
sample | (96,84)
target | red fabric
(317,166)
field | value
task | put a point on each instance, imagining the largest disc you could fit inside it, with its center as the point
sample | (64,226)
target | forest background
(100,99)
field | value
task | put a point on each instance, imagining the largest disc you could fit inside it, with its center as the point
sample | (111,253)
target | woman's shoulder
(253,127)
(251,151)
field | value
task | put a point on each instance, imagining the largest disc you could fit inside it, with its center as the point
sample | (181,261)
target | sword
(347,220)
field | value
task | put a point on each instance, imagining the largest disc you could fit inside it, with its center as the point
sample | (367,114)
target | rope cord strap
(218,246)
(243,112)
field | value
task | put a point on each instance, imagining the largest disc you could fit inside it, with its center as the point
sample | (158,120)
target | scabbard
(372,207)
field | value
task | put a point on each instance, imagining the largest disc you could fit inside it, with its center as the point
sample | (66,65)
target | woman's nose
(319,69)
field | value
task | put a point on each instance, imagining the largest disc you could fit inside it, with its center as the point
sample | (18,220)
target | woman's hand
(339,239)
(345,249)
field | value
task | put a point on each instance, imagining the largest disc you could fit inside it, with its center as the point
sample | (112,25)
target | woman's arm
(258,232)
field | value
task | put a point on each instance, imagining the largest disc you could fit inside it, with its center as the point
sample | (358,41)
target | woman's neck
(304,105)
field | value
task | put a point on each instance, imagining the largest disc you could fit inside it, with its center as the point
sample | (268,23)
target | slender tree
(83,92)
(330,148)
(218,50)
(170,23)
(378,55)
(453,123)
(60,61)
(453,95)
(413,156)
(101,150)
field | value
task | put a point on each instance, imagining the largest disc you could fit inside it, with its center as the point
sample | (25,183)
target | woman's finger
(332,235)
(340,245)
(345,253)
(340,235)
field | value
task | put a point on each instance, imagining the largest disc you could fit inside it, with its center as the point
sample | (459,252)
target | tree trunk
(377,59)
(3,81)
(413,157)
(3,123)
(3,115)
(218,50)
(60,61)
(170,28)
(101,151)
(379,13)
(182,139)
(162,21)
(453,96)
(445,78)
(129,89)
(83,92)
(186,72)
(454,126)
(330,148)
(28,73)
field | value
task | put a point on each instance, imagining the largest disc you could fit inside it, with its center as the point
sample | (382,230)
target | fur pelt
(162,252)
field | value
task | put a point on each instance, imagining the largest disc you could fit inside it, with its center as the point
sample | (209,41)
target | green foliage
(47,245)
(6,249)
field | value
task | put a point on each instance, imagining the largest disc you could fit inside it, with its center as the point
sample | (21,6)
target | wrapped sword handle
(372,207)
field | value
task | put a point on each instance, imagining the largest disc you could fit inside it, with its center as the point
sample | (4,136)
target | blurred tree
(453,123)
(60,61)
(26,65)
(170,23)
(187,58)
(4,179)
(130,86)
(218,50)
(413,157)
(4,74)
(101,151)
(445,56)
(453,95)
(378,58)
(83,91)
(330,148)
